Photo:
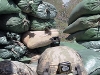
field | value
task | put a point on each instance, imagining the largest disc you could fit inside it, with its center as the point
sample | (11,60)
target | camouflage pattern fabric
(16,68)
(59,54)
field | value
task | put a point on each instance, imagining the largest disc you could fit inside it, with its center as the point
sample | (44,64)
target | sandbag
(73,44)
(86,35)
(85,7)
(36,39)
(5,53)
(8,6)
(14,49)
(44,10)
(16,68)
(83,23)
(55,55)
(92,63)
(90,58)
(13,52)
(25,5)
(3,39)
(92,45)
(37,24)
(17,23)
(37,8)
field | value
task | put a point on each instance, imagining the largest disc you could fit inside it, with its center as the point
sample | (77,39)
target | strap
(49,69)
(55,41)
(46,70)
(78,70)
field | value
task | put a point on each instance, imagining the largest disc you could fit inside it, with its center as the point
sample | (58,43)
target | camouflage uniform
(51,57)
(16,68)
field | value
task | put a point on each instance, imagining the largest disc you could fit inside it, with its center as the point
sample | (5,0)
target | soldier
(16,68)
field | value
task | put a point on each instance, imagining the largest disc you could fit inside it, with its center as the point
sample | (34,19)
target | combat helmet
(60,60)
